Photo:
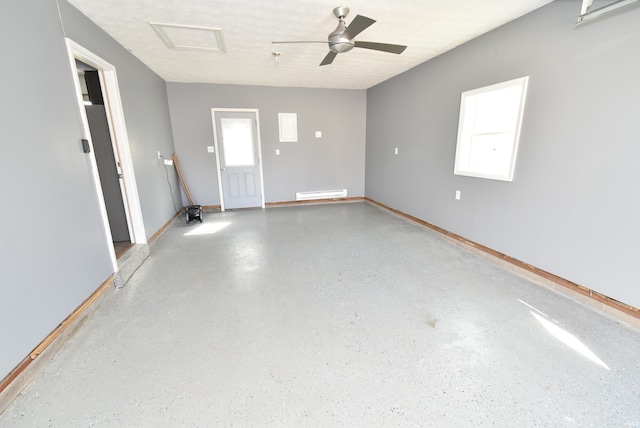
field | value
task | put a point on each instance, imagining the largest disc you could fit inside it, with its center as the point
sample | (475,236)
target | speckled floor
(333,315)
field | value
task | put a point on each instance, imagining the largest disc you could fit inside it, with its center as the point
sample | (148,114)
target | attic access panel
(190,37)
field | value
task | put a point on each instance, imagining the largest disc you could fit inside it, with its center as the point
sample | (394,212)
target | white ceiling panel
(427,27)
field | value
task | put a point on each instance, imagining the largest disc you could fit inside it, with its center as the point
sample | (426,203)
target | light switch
(210,149)
(396,150)
(277,152)
(318,134)
(457,194)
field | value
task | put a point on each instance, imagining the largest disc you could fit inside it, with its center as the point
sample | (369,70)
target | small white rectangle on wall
(288,124)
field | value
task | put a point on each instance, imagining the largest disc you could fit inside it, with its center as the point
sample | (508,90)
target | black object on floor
(194,212)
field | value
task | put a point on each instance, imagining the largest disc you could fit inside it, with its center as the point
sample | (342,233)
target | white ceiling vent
(190,37)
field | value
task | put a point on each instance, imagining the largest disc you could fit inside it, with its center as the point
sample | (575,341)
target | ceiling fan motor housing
(337,43)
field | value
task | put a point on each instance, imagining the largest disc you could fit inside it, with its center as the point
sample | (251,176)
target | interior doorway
(107,158)
(108,150)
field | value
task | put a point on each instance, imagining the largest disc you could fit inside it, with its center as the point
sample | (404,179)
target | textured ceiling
(427,27)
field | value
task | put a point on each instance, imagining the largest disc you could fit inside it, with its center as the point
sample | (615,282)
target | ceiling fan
(341,39)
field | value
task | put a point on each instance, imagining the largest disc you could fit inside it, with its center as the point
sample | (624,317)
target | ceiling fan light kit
(342,38)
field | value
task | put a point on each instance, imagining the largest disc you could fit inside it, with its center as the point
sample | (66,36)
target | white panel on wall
(288,123)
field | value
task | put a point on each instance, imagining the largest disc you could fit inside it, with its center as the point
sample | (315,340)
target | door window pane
(237,141)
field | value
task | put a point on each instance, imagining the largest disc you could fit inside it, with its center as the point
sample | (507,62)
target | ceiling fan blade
(384,47)
(329,58)
(299,41)
(357,26)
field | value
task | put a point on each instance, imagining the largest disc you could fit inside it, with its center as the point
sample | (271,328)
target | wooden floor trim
(59,330)
(210,207)
(71,318)
(14,374)
(164,226)
(599,297)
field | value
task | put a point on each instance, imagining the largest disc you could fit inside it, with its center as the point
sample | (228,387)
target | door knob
(223,169)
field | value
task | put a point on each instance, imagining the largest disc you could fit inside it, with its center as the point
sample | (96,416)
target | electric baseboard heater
(321,194)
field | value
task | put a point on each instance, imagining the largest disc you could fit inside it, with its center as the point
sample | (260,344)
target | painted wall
(573,207)
(335,161)
(53,249)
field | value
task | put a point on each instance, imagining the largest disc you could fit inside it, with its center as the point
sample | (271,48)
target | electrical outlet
(318,134)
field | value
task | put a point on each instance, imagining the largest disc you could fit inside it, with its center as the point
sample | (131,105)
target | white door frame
(217,147)
(119,138)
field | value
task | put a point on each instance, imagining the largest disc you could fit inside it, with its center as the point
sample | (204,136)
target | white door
(110,173)
(237,142)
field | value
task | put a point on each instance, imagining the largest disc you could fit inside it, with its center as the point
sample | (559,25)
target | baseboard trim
(18,379)
(541,277)
(211,207)
(164,226)
(315,201)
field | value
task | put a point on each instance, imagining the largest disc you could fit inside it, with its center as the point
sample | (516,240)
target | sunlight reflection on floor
(570,340)
(564,336)
(207,228)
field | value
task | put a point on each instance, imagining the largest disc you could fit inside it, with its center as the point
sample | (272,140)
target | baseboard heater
(321,194)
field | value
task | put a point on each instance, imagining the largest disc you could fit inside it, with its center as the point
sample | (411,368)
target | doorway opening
(107,159)
(104,130)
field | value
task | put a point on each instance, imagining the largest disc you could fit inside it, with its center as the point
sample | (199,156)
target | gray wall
(334,161)
(573,206)
(53,249)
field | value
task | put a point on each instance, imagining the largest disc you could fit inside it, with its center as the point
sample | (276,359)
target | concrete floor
(333,315)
